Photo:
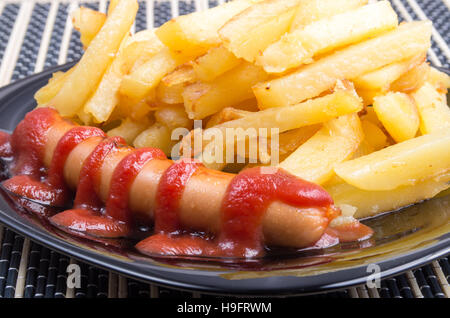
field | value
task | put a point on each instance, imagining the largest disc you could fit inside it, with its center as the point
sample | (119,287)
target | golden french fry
(398,113)
(46,93)
(370,203)
(439,79)
(314,111)
(335,142)
(374,136)
(112,6)
(156,136)
(98,56)
(309,11)
(411,80)
(226,114)
(173,116)
(140,48)
(301,45)
(217,61)
(433,109)
(183,74)
(170,94)
(382,78)
(292,139)
(406,41)
(193,34)
(251,31)
(88,22)
(106,97)
(400,164)
(204,99)
(144,79)
(129,129)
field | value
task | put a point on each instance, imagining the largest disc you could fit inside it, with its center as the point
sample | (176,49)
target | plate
(403,240)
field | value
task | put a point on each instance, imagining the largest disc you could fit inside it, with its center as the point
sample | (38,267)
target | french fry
(371,116)
(398,113)
(173,117)
(156,136)
(133,108)
(368,95)
(335,142)
(203,99)
(140,48)
(309,11)
(374,136)
(411,80)
(143,80)
(382,78)
(433,109)
(251,31)
(439,79)
(301,45)
(106,97)
(406,41)
(217,61)
(406,163)
(314,111)
(369,203)
(170,94)
(292,139)
(364,149)
(98,56)
(88,22)
(183,74)
(112,6)
(226,114)
(46,93)
(193,34)
(129,129)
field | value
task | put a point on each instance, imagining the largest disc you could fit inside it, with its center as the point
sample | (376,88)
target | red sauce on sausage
(168,196)
(52,188)
(122,179)
(28,141)
(86,217)
(89,216)
(247,197)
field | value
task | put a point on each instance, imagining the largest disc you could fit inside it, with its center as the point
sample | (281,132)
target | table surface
(37,34)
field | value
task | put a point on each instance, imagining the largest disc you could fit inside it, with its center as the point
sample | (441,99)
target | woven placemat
(36,34)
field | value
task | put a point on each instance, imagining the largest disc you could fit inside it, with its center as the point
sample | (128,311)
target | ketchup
(89,215)
(86,216)
(28,140)
(247,198)
(122,179)
(52,189)
(170,190)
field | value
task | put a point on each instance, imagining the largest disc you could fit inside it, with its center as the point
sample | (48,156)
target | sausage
(200,205)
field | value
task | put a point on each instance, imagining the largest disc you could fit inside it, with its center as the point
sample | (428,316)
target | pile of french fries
(357,107)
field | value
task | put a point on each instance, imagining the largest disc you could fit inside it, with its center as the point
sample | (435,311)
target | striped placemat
(36,34)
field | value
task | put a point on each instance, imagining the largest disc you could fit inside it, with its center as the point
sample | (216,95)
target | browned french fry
(407,40)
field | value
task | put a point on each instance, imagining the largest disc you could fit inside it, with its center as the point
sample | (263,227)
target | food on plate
(141,185)
(257,123)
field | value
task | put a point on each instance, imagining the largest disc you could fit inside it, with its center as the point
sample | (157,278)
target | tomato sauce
(247,198)
(51,188)
(122,179)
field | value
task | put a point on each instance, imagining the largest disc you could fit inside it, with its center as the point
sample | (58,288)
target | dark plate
(405,239)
